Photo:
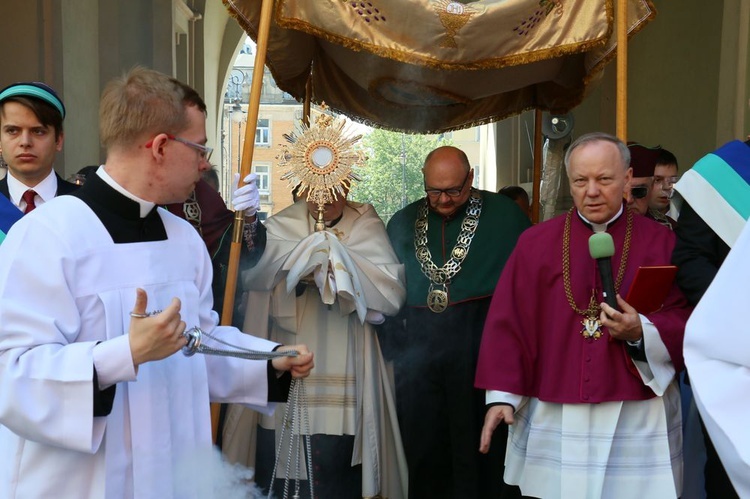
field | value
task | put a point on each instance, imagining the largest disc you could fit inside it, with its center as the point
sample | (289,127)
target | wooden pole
(308,100)
(621,18)
(537,180)
(247,156)
(245,167)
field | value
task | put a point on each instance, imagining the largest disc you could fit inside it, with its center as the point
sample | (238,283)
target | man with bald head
(453,243)
(589,391)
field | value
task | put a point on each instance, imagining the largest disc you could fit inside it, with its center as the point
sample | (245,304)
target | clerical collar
(119,212)
(145,206)
(601,227)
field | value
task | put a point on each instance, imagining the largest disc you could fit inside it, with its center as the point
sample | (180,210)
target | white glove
(247,197)
(374,317)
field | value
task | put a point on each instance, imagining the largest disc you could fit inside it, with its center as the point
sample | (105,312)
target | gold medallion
(440,277)
(592,327)
(437,300)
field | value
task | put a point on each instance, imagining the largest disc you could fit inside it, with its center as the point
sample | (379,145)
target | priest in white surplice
(95,399)
(326,289)
(717,354)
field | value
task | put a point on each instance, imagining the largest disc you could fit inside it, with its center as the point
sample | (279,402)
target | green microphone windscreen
(601,245)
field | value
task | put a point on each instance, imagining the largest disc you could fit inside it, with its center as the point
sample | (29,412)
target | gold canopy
(432,66)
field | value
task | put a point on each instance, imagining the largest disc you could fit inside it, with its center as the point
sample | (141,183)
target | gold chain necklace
(437,297)
(592,326)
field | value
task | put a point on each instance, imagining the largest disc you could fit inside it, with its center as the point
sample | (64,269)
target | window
(264,179)
(263,133)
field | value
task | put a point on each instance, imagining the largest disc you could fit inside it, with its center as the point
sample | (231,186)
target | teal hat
(35,90)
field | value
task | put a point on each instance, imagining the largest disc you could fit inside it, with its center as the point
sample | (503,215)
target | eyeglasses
(666,181)
(452,192)
(204,151)
(639,191)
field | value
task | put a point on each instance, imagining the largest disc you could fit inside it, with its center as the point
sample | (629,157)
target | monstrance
(320,159)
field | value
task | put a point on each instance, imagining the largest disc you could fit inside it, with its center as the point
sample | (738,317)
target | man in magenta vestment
(589,391)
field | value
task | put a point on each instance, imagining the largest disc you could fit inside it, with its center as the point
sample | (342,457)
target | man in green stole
(453,244)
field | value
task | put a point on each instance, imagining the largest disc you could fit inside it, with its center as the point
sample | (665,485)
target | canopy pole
(537,180)
(621,18)
(247,157)
(308,101)
(245,167)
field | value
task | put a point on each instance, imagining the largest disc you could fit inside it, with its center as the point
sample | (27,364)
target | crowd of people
(459,351)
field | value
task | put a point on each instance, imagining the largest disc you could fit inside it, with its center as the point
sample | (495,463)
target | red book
(650,288)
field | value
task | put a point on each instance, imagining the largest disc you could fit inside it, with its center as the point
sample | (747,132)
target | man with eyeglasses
(660,206)
(96,291)
(643,161)
(453,243)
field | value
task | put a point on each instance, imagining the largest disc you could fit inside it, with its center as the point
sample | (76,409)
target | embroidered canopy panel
(429,66)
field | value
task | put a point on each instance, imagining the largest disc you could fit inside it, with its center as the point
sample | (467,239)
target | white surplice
(614,450)
(66,291)
(350,391)
(717,355)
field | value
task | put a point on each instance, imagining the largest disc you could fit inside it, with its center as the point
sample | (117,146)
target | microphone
(602,248)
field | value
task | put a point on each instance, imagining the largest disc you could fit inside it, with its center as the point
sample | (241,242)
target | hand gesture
(247,197)
(495,415)
(155,337)
(625,325)
(300,366)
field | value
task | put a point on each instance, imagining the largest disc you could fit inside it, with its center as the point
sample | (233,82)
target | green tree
(392,175)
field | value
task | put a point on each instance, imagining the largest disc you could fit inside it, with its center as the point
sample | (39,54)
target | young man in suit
(31,133)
